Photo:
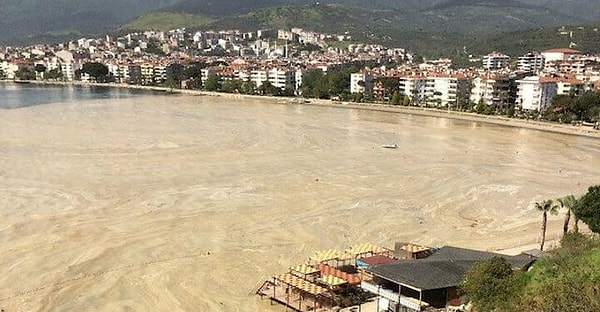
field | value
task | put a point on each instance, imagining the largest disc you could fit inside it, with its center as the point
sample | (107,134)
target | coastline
(578,130)
(133,197)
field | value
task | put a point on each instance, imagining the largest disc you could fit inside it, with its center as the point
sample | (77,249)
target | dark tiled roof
(424,274)
(443,269)
(460,254)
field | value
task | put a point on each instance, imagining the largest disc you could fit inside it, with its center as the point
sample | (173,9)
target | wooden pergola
(296,293)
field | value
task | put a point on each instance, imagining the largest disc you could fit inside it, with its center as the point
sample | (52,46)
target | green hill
(583,37)
(167,21)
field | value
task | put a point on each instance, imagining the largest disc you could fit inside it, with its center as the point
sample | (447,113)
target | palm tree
(568,202)
(547,206)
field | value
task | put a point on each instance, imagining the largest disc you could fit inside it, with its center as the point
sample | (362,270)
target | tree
(406,100)
(54,74)
(193,71)
(248,87)
(232,86)
(25,73)
(567,202)
(491,284)
(96,70)
(40,69)
(267,88)
(358,97)
(315,84)
(175,75)
(587,208)
(547,206)
(480,108)
(395,98)
(212,83)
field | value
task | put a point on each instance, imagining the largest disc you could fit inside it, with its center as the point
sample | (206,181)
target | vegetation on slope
(566,279)
(167,21)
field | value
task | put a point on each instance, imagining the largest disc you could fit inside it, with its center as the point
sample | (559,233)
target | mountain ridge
(410,23)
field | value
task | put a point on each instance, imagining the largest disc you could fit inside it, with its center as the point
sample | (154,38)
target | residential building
(160,74)
(495,61)
(536,93)
(559,55)
(259,77)
(531,62)
(572,86)
(68,71)
(492,89)
(147,73)
(445,90)
(414,87)
(282,78)
(361,83)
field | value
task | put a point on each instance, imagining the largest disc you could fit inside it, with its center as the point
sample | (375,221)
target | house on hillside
(433,282)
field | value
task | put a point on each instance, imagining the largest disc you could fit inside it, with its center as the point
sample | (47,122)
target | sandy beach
(187,203)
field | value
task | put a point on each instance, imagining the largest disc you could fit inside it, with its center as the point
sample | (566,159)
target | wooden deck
(292,298)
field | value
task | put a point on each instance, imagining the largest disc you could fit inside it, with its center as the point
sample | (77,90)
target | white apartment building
(531,62)
(559,55)
(445,91)
(282,78)
(535,93)
(414,87)
(160,74)
(9,69)
(483,90)
(68,71)
(495,60)
(568,86)
(490,89)
(147,73)
(259,77)
(360,83)
(115,71)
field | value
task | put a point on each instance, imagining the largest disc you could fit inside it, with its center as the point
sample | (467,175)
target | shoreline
(578,130)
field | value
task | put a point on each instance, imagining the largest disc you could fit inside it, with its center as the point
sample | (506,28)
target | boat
(390,146)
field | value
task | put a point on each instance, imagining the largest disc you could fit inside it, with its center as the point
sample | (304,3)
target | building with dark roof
(432,282)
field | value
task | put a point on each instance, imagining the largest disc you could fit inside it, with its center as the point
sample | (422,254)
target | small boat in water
(394,146)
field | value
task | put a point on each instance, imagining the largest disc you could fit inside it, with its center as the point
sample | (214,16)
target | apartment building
(414,87)
(536,93)
(68,70)
(282,78)
(531,62)
(492,89)
(495,61)
(445,90)
(361,83)
(147,73)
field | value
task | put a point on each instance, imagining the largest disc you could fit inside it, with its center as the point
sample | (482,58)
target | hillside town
(276,62)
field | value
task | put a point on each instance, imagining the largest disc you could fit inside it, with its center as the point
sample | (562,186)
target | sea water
(17,95)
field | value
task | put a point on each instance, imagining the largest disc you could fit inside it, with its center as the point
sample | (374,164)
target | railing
(384,293)
(390,295)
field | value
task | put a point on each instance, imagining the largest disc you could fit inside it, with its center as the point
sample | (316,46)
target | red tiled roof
(562,50)
(352,279)
(378,259)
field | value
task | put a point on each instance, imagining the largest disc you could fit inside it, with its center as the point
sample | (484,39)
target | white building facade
(495,61)
(535,93)
(360,83)
(531,62)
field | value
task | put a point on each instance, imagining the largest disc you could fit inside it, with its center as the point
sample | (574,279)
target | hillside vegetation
(433,28)
(567,279)
(386,27)
(167,21)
